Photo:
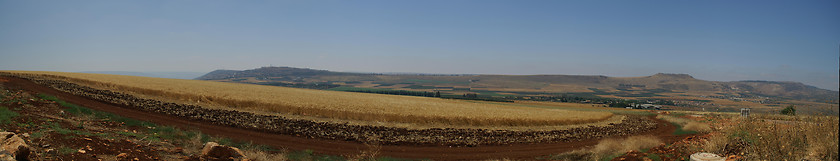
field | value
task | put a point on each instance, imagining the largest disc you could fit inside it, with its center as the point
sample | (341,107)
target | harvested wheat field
(329,104)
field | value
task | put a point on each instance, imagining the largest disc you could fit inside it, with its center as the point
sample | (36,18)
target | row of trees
(611,102)
(399,92)
(475,96)
(468,96)
(301,85)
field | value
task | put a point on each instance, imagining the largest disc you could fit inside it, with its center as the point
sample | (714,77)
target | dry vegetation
(330,104)
(759,137)
(686,124)
(194,145)
(611,147)
(777,137)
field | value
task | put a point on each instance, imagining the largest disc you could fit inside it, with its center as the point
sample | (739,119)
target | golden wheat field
(330,104)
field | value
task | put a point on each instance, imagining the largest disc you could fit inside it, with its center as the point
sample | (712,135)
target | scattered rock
(14,146)
(122,155)
(177,150)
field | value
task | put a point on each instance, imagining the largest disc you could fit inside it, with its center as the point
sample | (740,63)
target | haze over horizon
(710,40)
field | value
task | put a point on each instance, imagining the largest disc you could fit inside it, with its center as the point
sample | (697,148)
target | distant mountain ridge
(174,75)
(547,83)
(267,72)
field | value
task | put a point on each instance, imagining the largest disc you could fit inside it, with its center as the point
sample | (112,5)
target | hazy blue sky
(711,40)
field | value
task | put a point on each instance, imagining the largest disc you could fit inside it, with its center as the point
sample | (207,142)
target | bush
(789,110)
(6,115)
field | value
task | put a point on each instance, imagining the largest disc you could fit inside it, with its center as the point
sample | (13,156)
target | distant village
(645,106)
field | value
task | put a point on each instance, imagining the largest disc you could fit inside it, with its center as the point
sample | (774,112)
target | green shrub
(789,110)
(66,150)
(6,115)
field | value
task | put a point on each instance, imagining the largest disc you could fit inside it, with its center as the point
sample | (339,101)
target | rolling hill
(538,83)
(691,92)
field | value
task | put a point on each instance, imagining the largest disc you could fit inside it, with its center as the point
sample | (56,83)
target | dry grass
(716,143)
(688,125)
(610,147)
(697,126)
(370,153)
(761,137)
(776,137)
(330,104)
(259,155)
(502,159)
(194,145)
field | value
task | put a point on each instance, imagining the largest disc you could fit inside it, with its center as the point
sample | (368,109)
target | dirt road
(333,147)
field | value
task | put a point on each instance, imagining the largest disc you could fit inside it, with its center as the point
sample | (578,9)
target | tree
(437,93)
(619,104)
(471,95)
(789,110)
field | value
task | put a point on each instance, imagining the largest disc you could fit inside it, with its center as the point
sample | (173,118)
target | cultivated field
(331,104)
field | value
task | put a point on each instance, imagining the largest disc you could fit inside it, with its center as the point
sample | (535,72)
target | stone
(706,157)
(214,150)
(6,157)
(178,150)
(14,145)
(207,147)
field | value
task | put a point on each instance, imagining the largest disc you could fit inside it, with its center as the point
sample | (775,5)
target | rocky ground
(680,150)
(364,134)
(687,144)
(37,127)
(55,134)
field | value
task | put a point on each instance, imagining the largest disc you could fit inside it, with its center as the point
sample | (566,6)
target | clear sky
(711,40)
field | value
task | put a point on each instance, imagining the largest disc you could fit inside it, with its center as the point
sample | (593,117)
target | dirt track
(515,151)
